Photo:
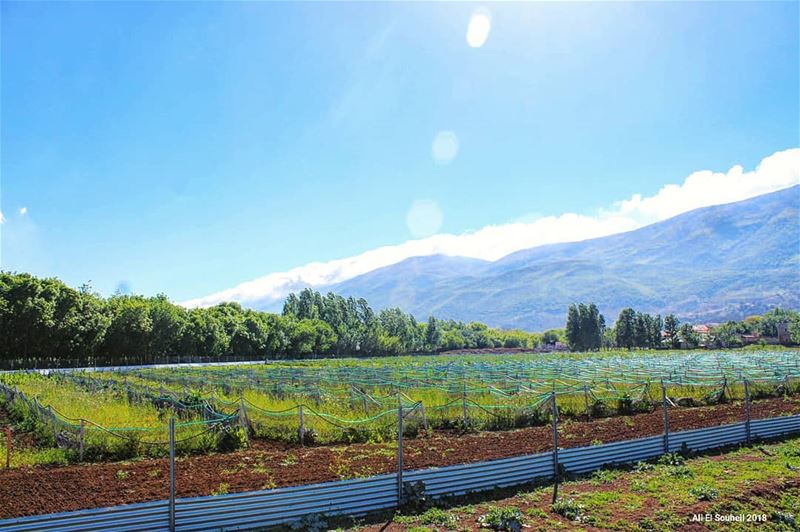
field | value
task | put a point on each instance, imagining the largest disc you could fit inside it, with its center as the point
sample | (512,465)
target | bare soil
(47,489)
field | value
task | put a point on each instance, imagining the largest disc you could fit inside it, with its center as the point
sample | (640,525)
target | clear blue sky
(186,147)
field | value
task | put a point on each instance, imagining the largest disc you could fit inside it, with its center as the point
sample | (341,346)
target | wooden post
(666,415)
(556,475)
(302,425)
(172,474)
(747,411)
(82,435)
(399,450)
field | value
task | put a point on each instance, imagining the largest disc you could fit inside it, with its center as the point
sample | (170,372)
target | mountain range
(707,265)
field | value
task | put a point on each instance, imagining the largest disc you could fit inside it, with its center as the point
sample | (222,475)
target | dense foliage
(585,327)
(46,318)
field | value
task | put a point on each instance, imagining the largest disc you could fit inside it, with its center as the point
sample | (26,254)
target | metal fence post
(556,472)
(399,450)
(172,474)
(586,399)
(747,411)
(464,406)
(424,417)
(52,416)
(9,446)
(666,415)
(243,419)
(82,437)
(302,425)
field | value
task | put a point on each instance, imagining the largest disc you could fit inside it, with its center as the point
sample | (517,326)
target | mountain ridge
(710,264)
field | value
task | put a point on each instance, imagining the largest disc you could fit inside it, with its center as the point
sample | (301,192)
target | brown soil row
(30,491)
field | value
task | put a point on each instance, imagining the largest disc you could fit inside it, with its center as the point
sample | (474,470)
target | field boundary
(242,511)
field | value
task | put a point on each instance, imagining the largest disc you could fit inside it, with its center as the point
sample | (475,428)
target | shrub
(507,518)
(437,516)
(625,405)
(231,438)
(704,493)
(599,409)
(414,498)
(785,518)
(569,508)
(671,459)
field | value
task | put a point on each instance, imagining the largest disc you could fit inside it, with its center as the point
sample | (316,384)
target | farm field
(475,408)
(123,414)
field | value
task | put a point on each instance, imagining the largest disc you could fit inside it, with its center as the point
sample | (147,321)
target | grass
(129,428)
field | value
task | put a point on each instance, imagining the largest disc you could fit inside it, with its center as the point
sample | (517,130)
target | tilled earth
(37,490)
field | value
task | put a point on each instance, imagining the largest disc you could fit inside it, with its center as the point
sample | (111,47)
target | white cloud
(23,211)
(700,189)
(2,218)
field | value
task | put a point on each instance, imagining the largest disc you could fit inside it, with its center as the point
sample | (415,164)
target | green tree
(573,329)
(688,336)
(625,329)
(671,325)
(433,336)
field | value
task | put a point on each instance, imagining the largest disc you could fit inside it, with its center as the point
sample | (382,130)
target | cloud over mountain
(700,189)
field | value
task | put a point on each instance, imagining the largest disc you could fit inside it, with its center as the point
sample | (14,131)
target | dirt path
(30,491)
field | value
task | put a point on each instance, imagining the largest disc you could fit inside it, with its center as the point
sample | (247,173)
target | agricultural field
(124,414)
(260,426)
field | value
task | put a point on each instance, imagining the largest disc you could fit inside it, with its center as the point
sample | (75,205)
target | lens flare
(424,218)
(444,147)
(480,23)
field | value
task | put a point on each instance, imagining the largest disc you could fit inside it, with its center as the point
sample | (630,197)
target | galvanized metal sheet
(240,511)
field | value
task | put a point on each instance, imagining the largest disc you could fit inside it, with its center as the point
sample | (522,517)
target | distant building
(784,337)
(748,339)
(703,332)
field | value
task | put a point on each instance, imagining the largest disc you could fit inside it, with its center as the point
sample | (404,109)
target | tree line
(43,317)
(586,330)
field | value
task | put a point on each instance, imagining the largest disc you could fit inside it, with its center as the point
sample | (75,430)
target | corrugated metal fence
(242,511)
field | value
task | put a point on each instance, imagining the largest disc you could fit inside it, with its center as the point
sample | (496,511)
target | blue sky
(187,147)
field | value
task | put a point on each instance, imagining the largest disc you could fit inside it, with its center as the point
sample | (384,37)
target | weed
(221,490)
(290,459)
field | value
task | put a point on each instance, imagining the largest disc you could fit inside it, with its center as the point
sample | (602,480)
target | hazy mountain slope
(711,264)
